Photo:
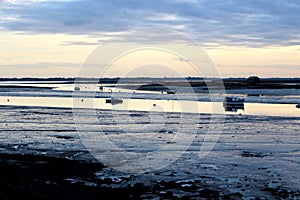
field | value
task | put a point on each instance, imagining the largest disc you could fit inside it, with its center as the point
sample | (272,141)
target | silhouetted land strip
(24,87)
(229,83)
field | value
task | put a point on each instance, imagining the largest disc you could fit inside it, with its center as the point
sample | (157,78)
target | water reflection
(286,110)
(114,101)
(235,108)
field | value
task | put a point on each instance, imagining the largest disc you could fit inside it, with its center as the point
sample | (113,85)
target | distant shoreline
(229,83)
(72,79)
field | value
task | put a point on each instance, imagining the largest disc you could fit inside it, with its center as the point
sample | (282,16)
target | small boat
(298,106)
(233,100)
(114,101)
(171,92)
(233,104)
(253,95)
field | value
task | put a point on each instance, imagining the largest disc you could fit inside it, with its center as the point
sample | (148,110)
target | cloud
(71,43)
(248,23)
(181,59)
(45,65)
(42,69)
(260,70)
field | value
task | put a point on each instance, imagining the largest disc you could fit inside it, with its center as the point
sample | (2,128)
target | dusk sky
(43,38)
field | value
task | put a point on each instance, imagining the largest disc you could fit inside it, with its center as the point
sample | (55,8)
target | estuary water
(62,95)
(162,105)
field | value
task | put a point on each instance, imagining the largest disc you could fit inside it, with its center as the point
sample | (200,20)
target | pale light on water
(286,110)
(272,109)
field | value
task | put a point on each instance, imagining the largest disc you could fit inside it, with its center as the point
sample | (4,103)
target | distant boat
(171,92)
(233,103)
(298,106)
(114,101)
(253,95)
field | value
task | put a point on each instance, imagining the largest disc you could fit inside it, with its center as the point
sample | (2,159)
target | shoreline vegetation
(252,82)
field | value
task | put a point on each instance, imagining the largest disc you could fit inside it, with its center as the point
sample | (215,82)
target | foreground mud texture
(42,157)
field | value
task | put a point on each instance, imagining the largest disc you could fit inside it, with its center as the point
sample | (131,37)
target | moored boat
(234,100)
(233,103)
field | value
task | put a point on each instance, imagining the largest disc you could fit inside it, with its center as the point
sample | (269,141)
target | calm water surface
(285,110)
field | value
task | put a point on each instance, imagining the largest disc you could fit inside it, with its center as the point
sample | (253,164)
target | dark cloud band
(248,23)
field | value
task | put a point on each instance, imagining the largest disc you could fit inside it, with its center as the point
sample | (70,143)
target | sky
(54,38)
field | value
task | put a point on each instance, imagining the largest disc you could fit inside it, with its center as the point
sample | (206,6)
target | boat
(233,100)
(298,106)
(233,103)
(114,101)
